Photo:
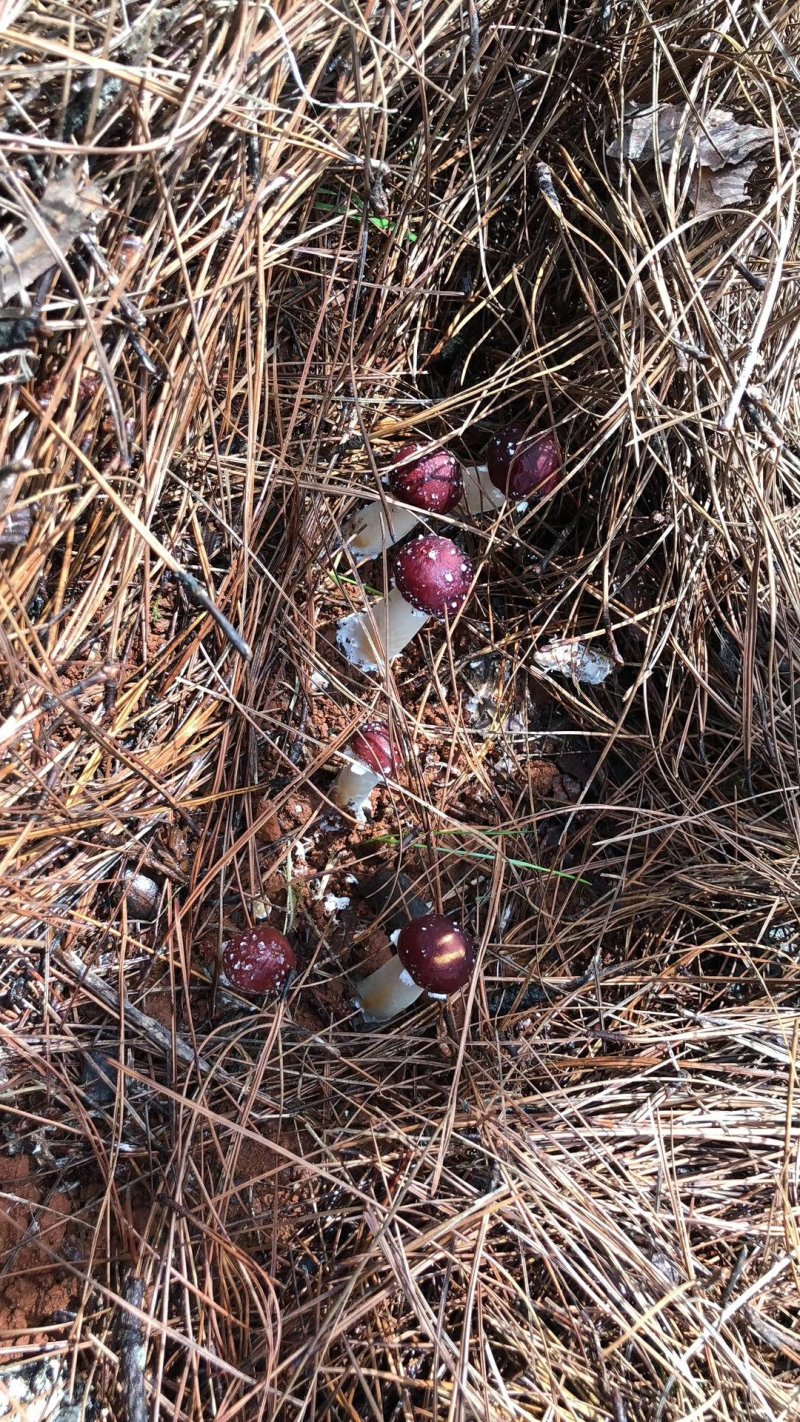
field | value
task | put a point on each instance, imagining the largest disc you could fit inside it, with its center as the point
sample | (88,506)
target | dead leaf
(65,211)
(575,659)
(725,188)
(715,139)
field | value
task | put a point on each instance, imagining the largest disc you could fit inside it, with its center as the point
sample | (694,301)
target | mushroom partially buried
(260,960)
(372,757)
(433,955)
(432,578)
(430,480)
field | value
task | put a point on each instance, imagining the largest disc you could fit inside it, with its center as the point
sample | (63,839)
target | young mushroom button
(431,480)
(371,759)
(523,466)
(259,960)
(433,956)
(432,578)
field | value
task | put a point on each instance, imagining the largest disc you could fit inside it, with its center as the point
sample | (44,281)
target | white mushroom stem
(352,788)
(367,532)
(387,991)
(373,638)
(480,495)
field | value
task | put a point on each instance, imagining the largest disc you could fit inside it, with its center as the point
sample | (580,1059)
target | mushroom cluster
(432,578)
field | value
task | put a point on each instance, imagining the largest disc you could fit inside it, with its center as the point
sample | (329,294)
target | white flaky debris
(335,903)
(34,1391)
(575,659)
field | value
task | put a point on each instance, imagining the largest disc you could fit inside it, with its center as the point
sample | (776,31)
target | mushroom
(518,466)
(433,956)
(523,466)
(432,578)
(259,960)
(430,480)
(371,758)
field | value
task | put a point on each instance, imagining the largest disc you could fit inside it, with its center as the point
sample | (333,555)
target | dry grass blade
(316,231)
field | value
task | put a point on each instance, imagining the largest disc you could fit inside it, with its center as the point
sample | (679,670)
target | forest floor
(247,254)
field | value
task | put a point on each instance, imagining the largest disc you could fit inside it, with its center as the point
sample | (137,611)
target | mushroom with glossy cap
(371,757)
(432,578)
(433,956)
(522,465)
(518,466)
(430,480)
(260,960)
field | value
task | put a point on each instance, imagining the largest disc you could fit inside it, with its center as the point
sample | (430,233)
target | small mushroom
(430,480)
(524,466)
(259,960)
(432,578)
(433,956)
(371,758)
(518,466)
(142,896)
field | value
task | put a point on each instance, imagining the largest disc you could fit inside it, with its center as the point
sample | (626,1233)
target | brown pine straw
(573,1196)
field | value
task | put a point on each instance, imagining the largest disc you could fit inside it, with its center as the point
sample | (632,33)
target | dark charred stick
(132,1354)
(199,594)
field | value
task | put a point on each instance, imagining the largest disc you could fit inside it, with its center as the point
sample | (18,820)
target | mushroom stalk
(371,639)
(387,991)
(480,494)
(368,532)
(352,788)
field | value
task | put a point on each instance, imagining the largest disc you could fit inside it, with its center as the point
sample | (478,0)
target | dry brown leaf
(727,187)
(715,139)
(65,211)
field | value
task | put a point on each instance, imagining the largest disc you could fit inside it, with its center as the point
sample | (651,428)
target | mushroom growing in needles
(523,466)
(371,758)
(259,960)
(433,956)
(518,466)
(430,480)
(432,578)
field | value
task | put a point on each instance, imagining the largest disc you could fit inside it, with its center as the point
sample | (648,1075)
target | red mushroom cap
(435,953)
(427,479)
(523,466)
(372,745)
(259,960)
(433,575)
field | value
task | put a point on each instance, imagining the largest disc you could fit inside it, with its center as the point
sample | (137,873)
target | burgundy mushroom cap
(523,466)
(436,954)
(433,575)
(427,479)
(259,960)
(372,745)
